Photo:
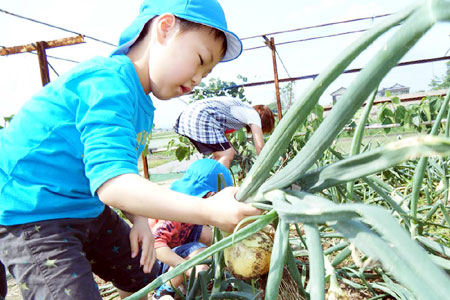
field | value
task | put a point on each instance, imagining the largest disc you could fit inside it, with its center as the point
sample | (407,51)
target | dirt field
(13,290)
(108,292)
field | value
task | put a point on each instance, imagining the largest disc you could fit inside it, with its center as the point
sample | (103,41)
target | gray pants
(55,259)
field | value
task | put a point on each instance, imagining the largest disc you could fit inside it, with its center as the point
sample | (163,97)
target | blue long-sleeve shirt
(79,131)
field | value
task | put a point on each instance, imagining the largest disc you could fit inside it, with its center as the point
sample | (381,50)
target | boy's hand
(226,211)
(141,235)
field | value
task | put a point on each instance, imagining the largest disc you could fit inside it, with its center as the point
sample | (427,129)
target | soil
(13,289)
(105,287)
(288,290)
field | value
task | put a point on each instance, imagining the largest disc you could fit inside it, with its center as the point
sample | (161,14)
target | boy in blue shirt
(72,152)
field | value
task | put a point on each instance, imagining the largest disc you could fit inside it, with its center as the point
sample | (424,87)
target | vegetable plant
(322,200)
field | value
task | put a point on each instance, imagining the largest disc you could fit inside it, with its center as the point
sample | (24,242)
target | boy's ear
(166,24)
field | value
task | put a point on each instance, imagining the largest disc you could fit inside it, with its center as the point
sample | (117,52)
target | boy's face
(182,60)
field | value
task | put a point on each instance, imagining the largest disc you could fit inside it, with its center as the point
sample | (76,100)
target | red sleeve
(170,234)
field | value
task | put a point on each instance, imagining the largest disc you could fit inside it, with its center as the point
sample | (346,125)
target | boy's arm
(258,137)
(167,256)
(138,196)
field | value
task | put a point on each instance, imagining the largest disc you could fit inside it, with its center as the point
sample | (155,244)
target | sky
(106,19)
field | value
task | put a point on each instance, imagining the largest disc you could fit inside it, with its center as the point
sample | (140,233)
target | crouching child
(176,242)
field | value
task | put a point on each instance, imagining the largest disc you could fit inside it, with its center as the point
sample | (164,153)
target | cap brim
(234,47)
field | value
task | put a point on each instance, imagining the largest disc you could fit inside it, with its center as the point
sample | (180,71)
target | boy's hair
(267,118)
(186,26)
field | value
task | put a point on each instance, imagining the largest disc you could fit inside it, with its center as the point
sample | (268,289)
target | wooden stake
(43,63)
(271,44)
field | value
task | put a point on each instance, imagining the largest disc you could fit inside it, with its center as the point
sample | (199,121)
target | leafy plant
(218,87)
(408,271)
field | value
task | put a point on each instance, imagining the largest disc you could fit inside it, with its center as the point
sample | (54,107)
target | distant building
(396,89)
(336,95)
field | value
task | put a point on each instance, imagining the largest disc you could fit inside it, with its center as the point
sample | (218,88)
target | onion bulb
(250,258)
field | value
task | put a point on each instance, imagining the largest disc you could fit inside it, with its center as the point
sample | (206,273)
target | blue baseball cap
(206,12)
(201,178)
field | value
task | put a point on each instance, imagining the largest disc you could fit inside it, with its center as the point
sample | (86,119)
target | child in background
(206,122)
(72,151)
(176,242)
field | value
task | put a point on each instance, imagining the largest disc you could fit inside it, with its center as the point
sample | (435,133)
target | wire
(51,67)
(312,76)
(60,58)
(309,39)
(272,33)
(315,26)
(282,63)
(246,38)
(57,27)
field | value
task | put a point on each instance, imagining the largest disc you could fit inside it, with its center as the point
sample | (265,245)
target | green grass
(160,158)
(165,177)
(160,140)
(159,162)
(163,135)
